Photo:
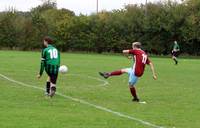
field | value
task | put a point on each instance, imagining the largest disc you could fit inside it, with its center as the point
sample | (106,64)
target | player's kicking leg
(132,80)
(114,73)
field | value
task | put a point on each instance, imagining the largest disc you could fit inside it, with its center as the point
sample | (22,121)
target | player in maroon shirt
(137,70)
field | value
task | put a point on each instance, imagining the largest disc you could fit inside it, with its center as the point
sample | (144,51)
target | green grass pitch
(172,101)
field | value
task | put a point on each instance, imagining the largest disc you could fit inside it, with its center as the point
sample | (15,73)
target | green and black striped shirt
(50,60)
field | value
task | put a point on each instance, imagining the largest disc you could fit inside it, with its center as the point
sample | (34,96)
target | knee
(123,70)
(131,85)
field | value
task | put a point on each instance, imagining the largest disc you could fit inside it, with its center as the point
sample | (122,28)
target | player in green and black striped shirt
(50,61)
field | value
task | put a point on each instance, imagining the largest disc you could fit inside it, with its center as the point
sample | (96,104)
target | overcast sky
(78,6)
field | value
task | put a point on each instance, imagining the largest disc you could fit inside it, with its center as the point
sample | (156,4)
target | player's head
(175,42)
(47,40)
(136,45)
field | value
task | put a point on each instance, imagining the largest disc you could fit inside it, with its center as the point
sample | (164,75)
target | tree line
(156,25)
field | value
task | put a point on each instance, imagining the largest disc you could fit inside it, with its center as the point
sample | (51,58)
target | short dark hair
(48,39)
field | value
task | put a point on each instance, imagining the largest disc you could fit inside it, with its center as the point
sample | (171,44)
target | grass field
(173,101)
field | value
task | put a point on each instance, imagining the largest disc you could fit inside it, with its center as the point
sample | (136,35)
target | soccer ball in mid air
(63,69)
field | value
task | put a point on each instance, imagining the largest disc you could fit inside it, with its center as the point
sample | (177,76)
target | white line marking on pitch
(86,103)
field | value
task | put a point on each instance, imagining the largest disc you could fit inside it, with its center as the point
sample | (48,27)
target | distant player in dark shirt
(136,71)
(175,52)
(50,61)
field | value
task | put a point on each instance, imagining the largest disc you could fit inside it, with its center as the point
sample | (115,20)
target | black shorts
(176,54)
(52,72)
(53,77)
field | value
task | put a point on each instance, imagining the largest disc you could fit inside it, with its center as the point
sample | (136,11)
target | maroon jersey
(141,59)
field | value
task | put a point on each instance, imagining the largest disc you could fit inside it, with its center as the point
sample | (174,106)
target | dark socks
(133,92)
(116,73)
(48,87)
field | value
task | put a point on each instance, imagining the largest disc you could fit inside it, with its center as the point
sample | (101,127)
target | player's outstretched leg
(114,73)
(104,74)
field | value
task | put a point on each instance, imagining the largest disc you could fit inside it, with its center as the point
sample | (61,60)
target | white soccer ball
(63,69)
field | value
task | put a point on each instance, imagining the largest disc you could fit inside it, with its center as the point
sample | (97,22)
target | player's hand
(154,77)
(38,76)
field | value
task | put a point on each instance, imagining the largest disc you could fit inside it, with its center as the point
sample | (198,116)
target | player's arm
(42,64)
(153,70)
(127,54)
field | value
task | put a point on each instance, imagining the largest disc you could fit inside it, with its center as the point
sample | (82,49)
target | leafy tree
(156,25)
